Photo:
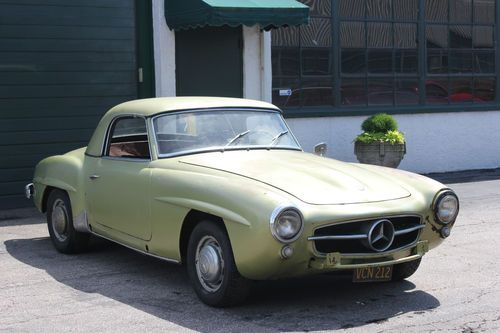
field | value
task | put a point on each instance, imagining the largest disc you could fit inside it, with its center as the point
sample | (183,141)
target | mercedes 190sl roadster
(223,186)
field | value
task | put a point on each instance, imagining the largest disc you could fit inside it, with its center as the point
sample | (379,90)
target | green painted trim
(191,14)
(309,112)
(145,50)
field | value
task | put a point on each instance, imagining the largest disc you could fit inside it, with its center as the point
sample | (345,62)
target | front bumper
(338,261)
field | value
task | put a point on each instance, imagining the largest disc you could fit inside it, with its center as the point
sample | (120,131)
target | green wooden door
(209,62)
(63,64)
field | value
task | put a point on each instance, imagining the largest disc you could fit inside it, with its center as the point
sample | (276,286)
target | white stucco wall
(252,69)
(164,51)
(256,64)
(436,142)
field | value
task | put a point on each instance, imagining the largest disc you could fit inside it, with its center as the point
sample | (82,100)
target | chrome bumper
(29,190)
(339,261)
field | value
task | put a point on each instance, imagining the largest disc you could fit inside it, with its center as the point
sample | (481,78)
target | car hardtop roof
(151,106)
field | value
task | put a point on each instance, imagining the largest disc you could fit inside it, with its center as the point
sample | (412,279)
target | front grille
(351,237)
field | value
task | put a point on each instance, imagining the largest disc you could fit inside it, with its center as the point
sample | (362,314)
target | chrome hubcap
(209,263)
(60,220)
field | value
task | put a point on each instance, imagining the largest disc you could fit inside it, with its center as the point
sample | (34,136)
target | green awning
(187,14)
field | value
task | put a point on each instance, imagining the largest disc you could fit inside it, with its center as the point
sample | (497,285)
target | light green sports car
(222,186)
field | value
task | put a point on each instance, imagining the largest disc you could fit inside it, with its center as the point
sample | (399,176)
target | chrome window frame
(108,134)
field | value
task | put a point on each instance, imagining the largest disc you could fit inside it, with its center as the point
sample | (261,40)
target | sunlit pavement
(113,289)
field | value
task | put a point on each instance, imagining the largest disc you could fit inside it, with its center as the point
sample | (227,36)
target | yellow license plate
(371,274)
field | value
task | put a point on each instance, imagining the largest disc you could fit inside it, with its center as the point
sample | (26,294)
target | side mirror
(321,149)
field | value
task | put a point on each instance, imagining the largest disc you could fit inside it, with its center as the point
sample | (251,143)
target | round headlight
(286,224)
(446,207)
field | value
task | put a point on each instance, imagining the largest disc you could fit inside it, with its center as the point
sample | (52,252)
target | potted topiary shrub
(380,143)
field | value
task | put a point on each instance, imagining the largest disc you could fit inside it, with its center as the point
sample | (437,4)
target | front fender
(244,205)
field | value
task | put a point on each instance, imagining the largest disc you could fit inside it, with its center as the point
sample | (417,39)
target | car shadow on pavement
(323,302)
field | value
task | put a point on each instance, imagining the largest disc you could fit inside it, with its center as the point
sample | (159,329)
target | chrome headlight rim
(439,197)
(277,212)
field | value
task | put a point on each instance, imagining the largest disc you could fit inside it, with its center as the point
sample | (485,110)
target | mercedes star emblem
(381,235)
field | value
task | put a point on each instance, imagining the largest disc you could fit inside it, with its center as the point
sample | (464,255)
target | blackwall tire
(211,267)
(405,270)
(60,224)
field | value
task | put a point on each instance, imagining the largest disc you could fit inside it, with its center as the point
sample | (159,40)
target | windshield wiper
(275,139)
(240,135)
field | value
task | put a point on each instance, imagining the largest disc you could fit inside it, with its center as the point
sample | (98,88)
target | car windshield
(187,132)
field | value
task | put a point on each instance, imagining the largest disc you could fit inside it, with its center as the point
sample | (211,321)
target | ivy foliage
(380,128)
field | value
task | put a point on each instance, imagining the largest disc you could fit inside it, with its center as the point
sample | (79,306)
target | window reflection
(484,11)
(436,91)
(460,36)
(380,92)
(319,7)
(377,51)
(484,90)
(484,62)
(405,36)
(316,34)
(457,50)
(286,36)
(405,61)
(380,61)
(437,36)
(316,92)
(378,9)
(405,9)
(352,35)
(353,92)
(436,10)
(460,62)
(286,92)
(461,90)
(380,35)
(285,62)
(483,37)
(352,8)
(316,62)
(437,62)
(354,61)
(406,92)
(461,11)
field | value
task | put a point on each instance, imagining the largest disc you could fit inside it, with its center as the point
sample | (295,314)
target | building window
(366,54)
(302,60)
(460,51)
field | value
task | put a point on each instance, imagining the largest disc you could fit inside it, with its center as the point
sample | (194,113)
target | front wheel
(405,270)
(60,223)
(211,267)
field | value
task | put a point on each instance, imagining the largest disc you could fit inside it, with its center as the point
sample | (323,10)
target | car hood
(310,178)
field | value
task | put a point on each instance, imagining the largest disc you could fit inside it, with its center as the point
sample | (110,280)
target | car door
(118,182)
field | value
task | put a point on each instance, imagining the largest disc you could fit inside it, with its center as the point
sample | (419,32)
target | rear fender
(63,172)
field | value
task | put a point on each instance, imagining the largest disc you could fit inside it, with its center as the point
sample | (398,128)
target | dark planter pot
(380,153)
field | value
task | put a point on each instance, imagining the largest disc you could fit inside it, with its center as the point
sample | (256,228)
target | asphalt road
(113,289)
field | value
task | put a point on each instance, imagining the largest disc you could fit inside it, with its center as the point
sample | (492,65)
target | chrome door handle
(94,177)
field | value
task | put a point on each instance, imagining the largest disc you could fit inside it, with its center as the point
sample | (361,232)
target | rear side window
(128,138)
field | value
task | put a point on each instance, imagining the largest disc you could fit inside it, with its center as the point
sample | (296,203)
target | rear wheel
(405,270)
(60,223)
(211,267)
